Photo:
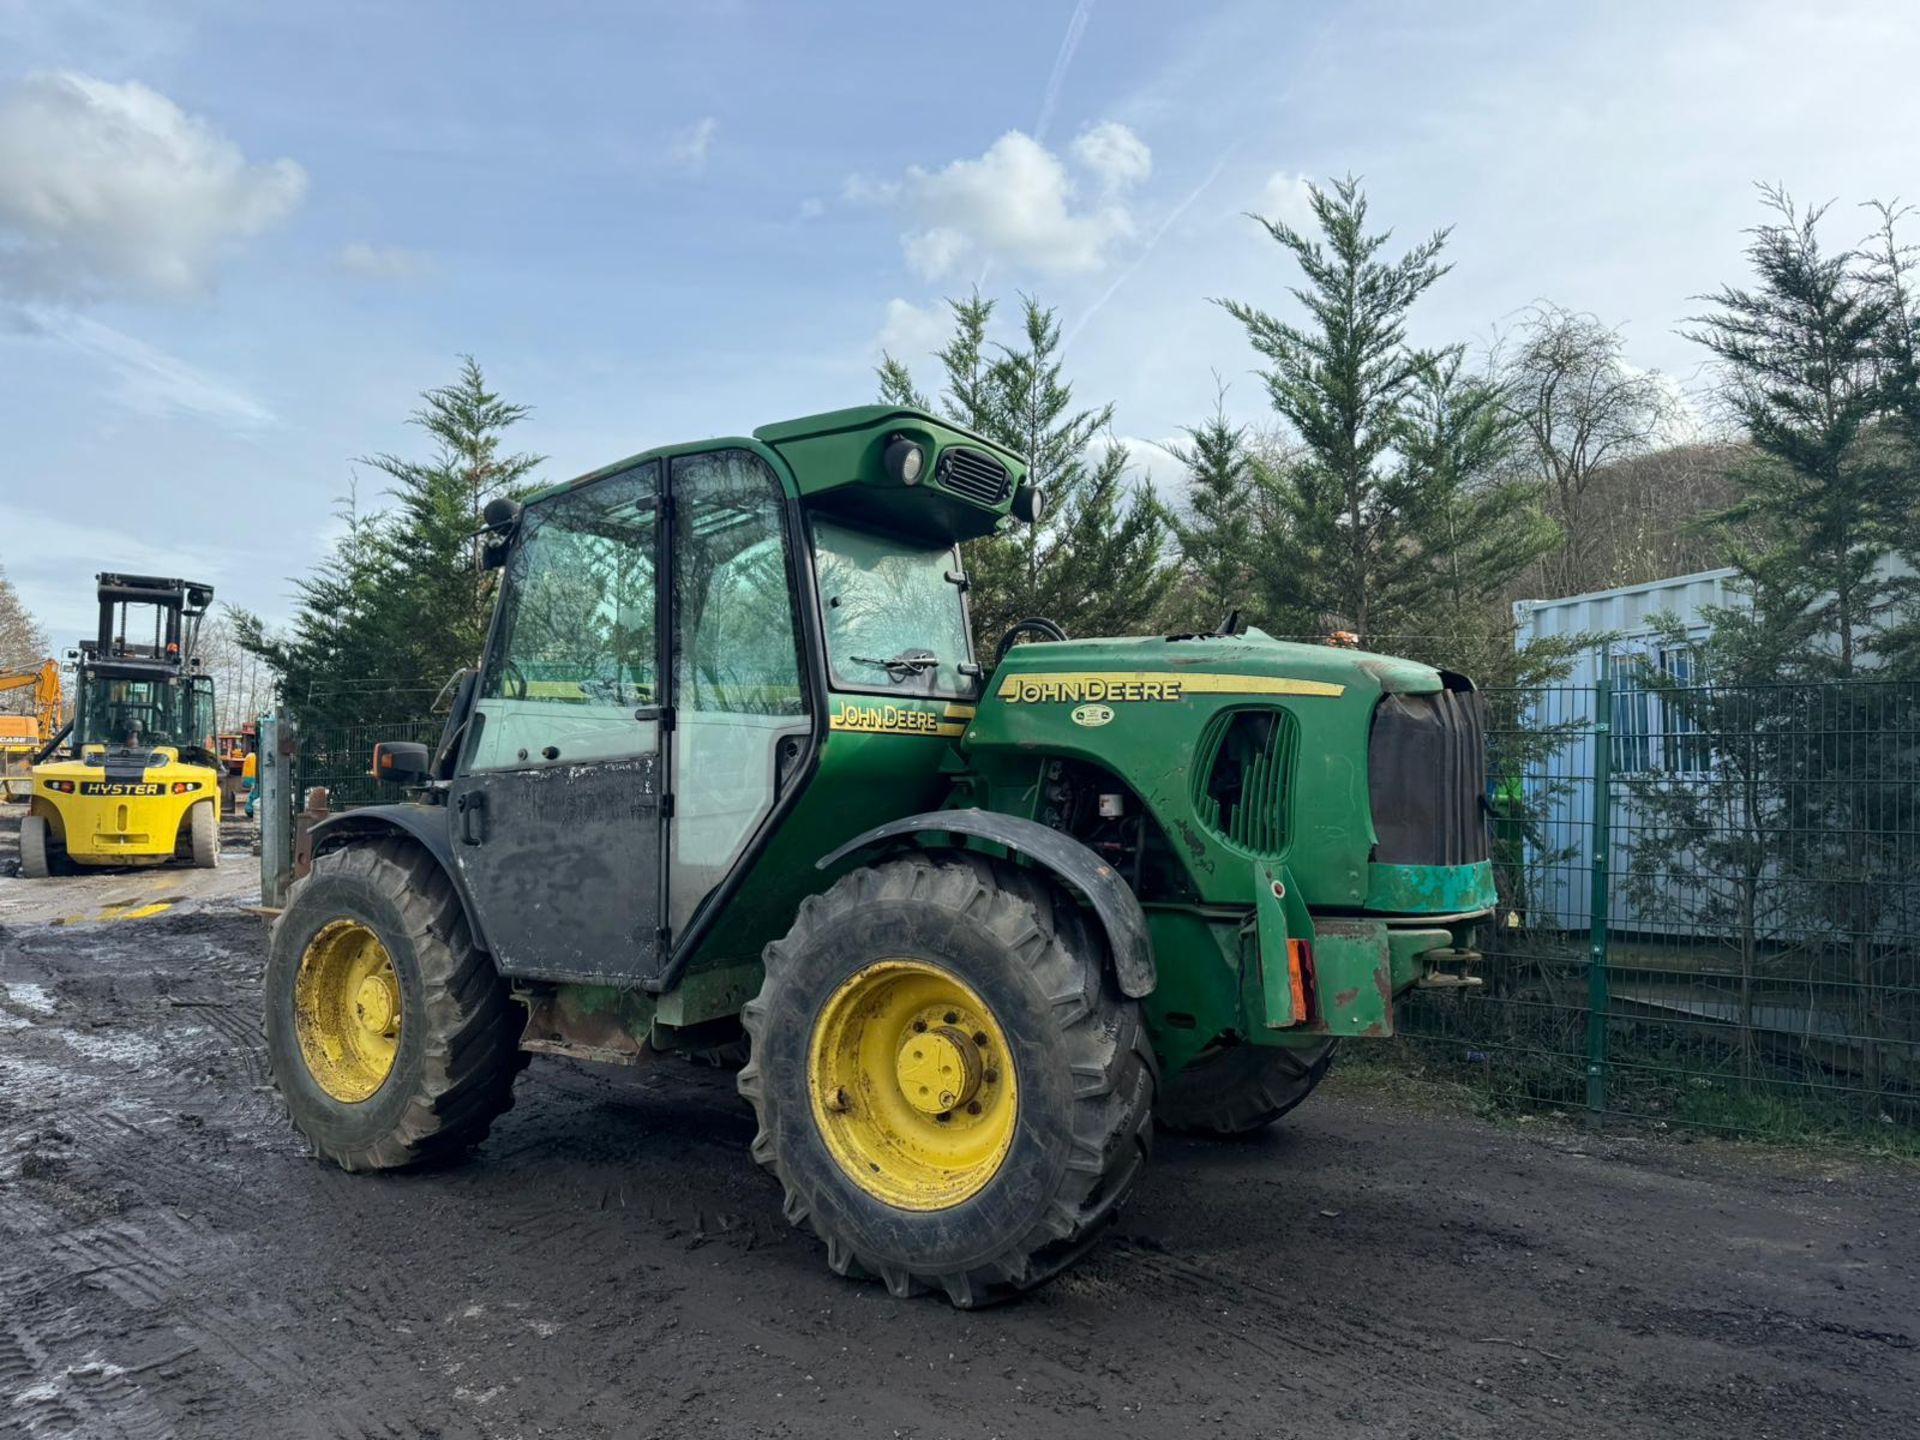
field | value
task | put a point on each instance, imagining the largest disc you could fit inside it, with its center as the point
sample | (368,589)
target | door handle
(472,805)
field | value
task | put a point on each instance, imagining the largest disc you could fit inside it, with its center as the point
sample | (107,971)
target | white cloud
(1148,461)
(113,189)
(692,146)
(152,382)
(1287,197)
(383,262)
(912,330)
(1114,155)
(1016,203)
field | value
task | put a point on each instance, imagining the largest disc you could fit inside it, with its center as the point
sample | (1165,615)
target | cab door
(556,805)
(740,699)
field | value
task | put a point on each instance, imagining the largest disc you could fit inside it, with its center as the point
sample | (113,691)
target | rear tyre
(1242,1089)
(391,1037)
(204,836)
(34,845)
(950,1088)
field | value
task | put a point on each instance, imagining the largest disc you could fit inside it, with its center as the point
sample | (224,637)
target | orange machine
(23,736)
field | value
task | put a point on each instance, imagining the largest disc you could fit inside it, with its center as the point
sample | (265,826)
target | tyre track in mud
(171,1264)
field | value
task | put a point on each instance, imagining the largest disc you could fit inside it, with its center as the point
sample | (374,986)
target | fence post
(1599,902)
(275,808)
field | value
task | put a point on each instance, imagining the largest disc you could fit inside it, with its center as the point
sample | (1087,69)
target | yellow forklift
(139,783)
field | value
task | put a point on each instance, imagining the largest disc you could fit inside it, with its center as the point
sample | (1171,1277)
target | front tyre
(203,836)
(950,1088)
(35,846)
(390,1035)
(1242,1089)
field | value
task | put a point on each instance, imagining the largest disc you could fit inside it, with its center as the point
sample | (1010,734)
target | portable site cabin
(1644,631)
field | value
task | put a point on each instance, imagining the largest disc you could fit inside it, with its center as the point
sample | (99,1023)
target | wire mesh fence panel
(1746,955)
(1763,911)
(340,758)
(1523,1034)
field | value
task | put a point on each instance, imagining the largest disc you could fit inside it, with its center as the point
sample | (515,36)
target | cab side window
(734,647)
(736,658)
(578,650)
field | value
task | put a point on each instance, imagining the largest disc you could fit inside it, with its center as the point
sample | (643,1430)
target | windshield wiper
(907,665)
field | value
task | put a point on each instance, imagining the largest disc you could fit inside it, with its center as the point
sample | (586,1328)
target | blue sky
(237,240)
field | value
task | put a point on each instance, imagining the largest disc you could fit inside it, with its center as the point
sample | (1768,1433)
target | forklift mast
(179,607)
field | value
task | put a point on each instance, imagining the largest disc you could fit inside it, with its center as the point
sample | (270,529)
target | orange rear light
(1299,968)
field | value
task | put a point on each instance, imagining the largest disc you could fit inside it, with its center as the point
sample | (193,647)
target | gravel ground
(612,1263)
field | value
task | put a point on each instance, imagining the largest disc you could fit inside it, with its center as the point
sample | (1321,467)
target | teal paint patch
(1430,889)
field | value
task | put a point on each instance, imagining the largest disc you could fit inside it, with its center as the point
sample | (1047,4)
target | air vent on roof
(972,473)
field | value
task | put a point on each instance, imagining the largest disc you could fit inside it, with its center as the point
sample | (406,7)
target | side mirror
(1028,506)
(403,762)
(501,517)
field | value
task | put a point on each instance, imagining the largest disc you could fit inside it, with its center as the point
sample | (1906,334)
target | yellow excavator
(22,736)
(140,782)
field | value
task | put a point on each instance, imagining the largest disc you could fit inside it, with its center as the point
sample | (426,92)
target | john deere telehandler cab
(731,779)
(139,783)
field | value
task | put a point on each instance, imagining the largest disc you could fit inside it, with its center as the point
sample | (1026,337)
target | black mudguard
(1062,856)
(430,825)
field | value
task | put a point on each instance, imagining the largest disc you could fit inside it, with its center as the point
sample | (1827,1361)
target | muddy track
(171,1263)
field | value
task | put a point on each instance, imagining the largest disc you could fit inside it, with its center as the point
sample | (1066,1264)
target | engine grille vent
(1244,765)
(973,474)
(1426,773)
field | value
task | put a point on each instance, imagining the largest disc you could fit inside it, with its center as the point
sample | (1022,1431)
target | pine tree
(1827,495)
(429,538)
(1889,272)
(398,605)
(968,398)
(1342,381)
(1217,534)
(1095,562)
(1812,365)
(1476,519)
(333,662)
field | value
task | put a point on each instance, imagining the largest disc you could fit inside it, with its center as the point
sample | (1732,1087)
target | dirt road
(171,1264)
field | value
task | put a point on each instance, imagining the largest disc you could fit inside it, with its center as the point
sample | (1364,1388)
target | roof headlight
(905,461)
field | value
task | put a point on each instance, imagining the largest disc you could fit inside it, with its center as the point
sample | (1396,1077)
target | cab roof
(837,462)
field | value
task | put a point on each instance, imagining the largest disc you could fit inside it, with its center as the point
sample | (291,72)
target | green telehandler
(729,779)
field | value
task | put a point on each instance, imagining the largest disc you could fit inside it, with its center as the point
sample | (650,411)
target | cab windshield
(895,624)
(117,712)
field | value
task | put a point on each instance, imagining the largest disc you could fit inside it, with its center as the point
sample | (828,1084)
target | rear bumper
(114,831)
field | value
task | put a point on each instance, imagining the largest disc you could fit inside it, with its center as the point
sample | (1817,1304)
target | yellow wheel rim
(913,1085)
(346,1010)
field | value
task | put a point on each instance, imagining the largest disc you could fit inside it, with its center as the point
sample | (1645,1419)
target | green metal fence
(340,758)
(1709,909)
